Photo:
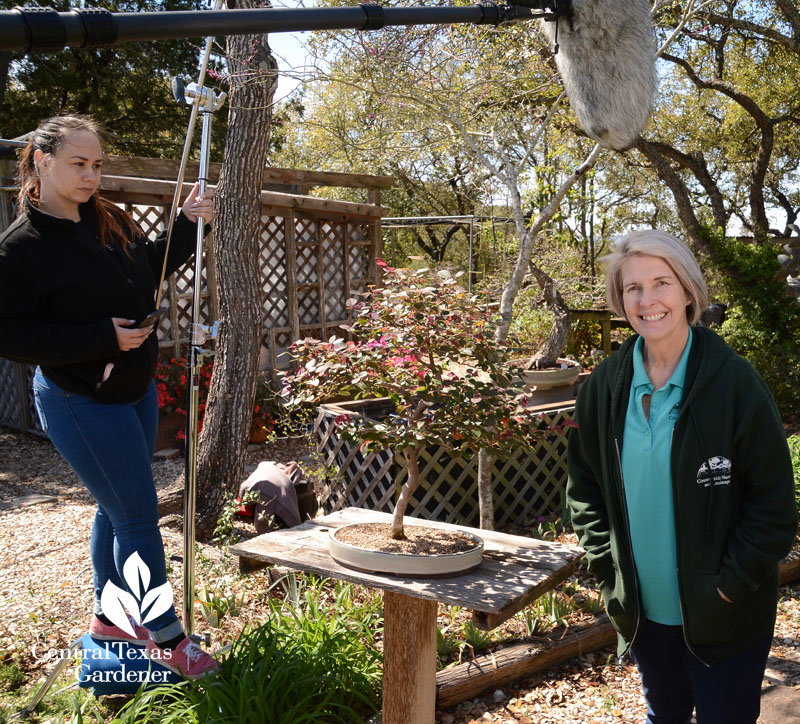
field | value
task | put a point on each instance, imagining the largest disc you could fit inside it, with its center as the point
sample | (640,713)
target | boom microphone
(606,58)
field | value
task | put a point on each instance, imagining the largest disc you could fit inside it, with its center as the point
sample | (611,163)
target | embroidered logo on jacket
(716,471)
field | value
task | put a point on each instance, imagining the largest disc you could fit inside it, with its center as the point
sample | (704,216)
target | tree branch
(679,191)
(792,14)
(764,153)
(526,242)
(760,30)
(696,163)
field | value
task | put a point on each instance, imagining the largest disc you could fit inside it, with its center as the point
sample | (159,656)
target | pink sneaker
(103,632)
(186,659)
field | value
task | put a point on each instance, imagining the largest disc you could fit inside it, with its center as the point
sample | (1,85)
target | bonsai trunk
(556,341)
(412,462)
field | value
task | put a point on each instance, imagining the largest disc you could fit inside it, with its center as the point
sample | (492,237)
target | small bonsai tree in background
(426,344)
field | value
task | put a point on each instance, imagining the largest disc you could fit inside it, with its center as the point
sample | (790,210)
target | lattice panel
(33,415)
(358,259)
(307,264)
(524,486)
(368,478)
(18,411)
(332,250)
(150,218)
(448,489)
(546,465)
(272,262)
(9,401)
(305,230)
(308,306)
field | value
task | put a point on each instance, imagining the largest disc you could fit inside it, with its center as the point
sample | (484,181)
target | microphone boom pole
(37,30)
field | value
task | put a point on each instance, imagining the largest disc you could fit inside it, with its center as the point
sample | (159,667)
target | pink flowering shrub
(426,344)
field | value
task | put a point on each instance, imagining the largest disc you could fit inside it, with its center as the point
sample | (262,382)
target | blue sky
(288,49)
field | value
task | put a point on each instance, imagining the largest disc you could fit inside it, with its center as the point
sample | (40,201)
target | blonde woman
(681,492)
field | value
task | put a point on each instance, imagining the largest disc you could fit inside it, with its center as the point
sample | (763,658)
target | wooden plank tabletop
(515,570)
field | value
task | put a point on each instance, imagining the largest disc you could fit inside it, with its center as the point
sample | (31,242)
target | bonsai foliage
(426,344)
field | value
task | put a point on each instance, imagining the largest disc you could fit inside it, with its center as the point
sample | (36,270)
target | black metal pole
(44,29)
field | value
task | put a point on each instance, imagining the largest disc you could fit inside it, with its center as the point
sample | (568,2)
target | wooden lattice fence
(315,254)
(525,486)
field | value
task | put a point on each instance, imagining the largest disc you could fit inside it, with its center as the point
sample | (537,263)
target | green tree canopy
(126,87)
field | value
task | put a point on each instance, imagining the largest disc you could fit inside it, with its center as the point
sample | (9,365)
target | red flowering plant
(426,344)
(171,383)
(266,411)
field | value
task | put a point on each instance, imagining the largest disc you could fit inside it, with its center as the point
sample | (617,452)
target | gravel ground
(45,596)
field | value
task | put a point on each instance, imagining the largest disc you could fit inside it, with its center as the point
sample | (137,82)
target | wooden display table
(514,572)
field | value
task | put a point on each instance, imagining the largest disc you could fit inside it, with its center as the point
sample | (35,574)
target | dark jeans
(111,447)
(675,682)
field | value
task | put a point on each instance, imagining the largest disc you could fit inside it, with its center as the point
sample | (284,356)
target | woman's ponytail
(28,178)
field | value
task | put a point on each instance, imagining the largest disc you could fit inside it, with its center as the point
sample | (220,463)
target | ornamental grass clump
(428,346)
(307,663)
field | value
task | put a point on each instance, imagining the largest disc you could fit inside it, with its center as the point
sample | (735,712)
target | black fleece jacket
(59,289)
(733,493)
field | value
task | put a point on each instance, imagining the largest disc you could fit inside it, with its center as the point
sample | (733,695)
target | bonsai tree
(428,346)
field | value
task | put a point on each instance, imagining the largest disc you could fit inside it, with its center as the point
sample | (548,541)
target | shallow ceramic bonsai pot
(424,564)
(549,378)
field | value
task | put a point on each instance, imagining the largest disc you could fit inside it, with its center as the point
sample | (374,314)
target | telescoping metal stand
(203,101)
(207,101)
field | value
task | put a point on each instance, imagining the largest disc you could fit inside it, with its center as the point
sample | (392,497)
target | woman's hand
(129,337)
(199,207)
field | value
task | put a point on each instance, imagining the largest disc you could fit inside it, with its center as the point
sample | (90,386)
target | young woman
(681,492)
(76,276)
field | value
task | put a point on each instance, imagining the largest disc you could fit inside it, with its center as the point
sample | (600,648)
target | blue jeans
(675,682)
(111,447)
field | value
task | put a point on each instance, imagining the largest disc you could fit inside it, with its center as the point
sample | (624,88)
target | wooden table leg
(409,659)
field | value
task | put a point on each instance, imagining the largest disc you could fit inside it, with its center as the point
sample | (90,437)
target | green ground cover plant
(794,449)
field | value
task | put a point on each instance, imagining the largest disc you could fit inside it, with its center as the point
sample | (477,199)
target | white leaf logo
(134,569)
(115,602)
(160,598)
(112,600)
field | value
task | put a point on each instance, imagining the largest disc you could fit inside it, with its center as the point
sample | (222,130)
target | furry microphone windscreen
(607,62)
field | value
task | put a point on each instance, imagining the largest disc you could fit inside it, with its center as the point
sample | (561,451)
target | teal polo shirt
(647,476)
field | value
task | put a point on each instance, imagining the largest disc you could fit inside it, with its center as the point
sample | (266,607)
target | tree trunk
(556,341)
(526,237)
(226,426)
(485,500)
(411,454)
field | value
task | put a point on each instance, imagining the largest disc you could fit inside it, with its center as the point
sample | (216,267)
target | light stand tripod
(207,102)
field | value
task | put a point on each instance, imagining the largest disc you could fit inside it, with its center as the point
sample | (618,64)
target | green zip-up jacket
(733,492)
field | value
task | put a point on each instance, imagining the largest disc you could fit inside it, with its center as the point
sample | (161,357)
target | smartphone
(152,318)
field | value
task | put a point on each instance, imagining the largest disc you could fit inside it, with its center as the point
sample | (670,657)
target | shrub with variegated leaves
(428,345)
